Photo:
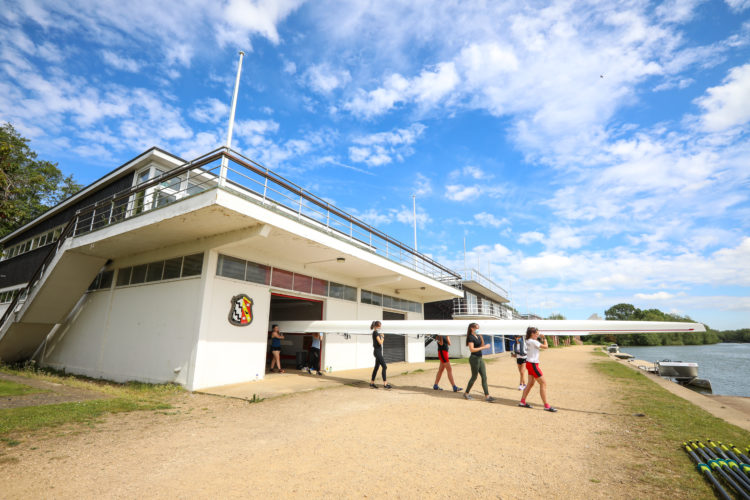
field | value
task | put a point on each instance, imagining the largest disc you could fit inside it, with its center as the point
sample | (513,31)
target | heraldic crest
(241,312)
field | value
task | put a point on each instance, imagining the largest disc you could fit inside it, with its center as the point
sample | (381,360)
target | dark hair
(374,324)
(530,331)
(274,326)
(468,332)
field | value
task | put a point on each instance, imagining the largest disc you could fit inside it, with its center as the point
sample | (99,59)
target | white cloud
(422,185)
(383,147)
(210,110)
(486,219)
(403,215)
(290,68)
(654,296)
(727,105)
(531,237)
(118,62)
(457,192)
(324,79)
(738,5)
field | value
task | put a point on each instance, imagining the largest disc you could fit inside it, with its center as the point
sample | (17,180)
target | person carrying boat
(444,342)
(377,351)
(533,346)
(519,352)
(476,345)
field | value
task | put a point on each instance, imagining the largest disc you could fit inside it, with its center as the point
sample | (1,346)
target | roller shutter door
(394,348)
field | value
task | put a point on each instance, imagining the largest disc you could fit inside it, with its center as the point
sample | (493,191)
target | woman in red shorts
(533,346)
(443,342)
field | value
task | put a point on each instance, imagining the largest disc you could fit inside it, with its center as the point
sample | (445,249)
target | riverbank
(347,440)
(733,409)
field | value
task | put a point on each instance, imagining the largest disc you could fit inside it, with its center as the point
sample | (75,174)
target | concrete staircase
(49,301)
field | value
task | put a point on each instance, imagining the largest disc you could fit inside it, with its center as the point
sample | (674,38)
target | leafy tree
(556,316)
(622,312)
(28,187)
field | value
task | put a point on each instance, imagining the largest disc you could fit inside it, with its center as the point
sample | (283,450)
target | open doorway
(295,346)
(394,346)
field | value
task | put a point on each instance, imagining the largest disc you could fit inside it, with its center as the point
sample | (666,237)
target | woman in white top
(533,346)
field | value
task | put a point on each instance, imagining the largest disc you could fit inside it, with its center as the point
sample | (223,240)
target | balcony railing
(462,307)
(228,170)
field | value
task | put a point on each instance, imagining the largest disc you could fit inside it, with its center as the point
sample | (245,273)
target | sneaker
(467,395)
(387,386)
(457,388)
(320,373)
(489,399)
(437,387)
(551,409)
(373,386)
(525,405)
(521,387)
(309,371)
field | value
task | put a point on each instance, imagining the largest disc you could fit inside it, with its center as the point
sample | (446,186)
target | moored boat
(677,369)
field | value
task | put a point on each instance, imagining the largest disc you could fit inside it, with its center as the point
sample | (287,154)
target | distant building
(482,299)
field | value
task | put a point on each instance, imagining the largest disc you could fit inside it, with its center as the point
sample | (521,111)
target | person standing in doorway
(476,345)
(533,347)
(444,342)
(377,351)
(314,364)
(519,352)
(276,338)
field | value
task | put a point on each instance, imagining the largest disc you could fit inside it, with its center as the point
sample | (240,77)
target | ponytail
(375,324)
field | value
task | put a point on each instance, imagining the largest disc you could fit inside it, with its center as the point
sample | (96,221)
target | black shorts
(521,361)
(275,349)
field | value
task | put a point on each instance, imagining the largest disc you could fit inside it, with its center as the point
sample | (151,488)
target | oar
(739,453)
(731,466)
(719,465)
(706,471)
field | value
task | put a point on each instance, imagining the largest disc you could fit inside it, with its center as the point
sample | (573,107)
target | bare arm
(544,345)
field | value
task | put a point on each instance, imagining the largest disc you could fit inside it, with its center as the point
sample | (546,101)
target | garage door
(394,348)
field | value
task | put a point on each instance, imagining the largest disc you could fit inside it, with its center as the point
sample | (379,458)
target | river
(726,365)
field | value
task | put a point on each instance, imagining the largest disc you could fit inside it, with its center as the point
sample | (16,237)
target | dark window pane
(335,290)
(192,265)
(94,284)
(258,273)
(155,270)
(366,297)
(229,267)
(302,283)
(387,301)
(106,279)
(172,268)
(350,293)
(281,278)
(377,299)
(320,287)
(123,276)
(139,274)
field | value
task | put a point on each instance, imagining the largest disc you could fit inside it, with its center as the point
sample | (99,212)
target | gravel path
(350,442)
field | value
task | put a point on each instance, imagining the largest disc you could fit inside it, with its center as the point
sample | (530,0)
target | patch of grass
(8,388)
(31,418)
(116,398)
(10,442)
(669,421)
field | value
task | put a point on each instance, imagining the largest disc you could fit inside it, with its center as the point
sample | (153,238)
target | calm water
(726,365)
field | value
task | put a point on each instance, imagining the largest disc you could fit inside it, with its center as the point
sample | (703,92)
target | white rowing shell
(492,327)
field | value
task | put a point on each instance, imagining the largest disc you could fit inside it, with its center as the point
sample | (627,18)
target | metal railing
(474,275)
(253,181)
(462,307)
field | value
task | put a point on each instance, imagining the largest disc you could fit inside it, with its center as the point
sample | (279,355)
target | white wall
(229,354)
(143,332)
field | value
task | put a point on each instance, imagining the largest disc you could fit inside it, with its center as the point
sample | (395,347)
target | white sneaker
(520,387)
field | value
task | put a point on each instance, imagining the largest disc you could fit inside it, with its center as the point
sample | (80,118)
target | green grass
(115,398)
(8,388)
(657,438)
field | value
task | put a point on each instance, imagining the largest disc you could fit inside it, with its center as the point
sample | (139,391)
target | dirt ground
(349,441)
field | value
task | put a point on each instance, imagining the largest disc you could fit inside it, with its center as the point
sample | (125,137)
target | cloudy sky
(589,153)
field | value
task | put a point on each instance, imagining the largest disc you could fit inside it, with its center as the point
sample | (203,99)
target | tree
(556,316)
(28,187)
(622,312)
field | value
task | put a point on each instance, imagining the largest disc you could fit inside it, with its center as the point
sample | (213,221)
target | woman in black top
(476,346)
(377,351)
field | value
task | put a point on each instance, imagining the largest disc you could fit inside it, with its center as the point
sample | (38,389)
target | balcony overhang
(483,290)
(237,225)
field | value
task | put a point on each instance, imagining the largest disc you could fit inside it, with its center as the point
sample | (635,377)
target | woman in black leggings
(377,351)
(476,345)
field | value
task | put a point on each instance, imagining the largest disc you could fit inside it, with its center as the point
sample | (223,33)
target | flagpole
(223,171)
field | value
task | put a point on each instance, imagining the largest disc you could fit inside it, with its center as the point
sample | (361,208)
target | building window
(33,243)
(161,270)
(103,280)
(389,302)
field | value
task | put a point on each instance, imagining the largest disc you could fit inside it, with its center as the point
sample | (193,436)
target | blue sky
(590,153)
